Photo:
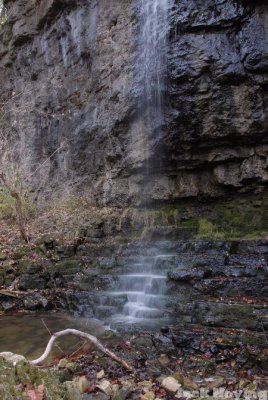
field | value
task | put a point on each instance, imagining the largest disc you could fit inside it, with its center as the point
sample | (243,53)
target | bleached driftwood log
(84,335)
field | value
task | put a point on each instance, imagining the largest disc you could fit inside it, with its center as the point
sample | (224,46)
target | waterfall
(140,293)
(145,285)
(152,56)
(141,288)
(145,289)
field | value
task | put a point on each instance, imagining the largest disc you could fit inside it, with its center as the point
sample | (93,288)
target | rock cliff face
(67,73)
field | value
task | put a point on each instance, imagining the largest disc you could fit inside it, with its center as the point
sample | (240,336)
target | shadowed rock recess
(67,72)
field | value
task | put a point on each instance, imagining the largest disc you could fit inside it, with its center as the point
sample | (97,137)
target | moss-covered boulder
(240,316)
(46,242)
(3,257)
(28,267)
(19,253)
(27,281)
(65,267)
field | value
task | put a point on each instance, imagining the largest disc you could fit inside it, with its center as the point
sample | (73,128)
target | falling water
(146,284)
(142,287)
(145,290)
(152,54)
(140,293)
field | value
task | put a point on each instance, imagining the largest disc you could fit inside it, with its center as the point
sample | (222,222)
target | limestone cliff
(68,83)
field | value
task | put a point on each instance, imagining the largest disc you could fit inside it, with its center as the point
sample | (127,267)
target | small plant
(208,230)
(7,204)
(14,202)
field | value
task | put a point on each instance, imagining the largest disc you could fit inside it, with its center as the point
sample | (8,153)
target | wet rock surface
(215,345)
(81,95)
(213,284)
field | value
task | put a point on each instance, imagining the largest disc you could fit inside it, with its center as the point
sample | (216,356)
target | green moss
(236,310)
(7,204)
(19,253)
(15,378)
(146,232)
(252,340)
(208,230)
(168,215)
(244,217)
(230,314)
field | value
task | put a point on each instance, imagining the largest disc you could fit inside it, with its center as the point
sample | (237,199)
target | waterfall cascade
(142,289)
(145,285)
(139,295)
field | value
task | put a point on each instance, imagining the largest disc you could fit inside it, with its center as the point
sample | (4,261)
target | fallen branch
(13,293)
(87,336)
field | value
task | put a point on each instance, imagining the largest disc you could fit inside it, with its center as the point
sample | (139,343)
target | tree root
(84,335)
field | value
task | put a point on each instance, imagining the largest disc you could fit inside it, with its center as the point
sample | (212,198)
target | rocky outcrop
(212,288)
(68,79)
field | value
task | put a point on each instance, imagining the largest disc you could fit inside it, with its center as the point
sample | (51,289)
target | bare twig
(44,162)
(13,293)
(84,335)
(78,349)
(47,328)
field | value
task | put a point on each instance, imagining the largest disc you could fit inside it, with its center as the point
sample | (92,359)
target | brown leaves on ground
(36,394)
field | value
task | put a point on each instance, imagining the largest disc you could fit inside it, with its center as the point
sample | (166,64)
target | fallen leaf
(36,394)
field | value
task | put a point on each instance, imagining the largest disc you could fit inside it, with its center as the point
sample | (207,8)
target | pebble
(263,395)
(73,392)
(63,363)
(100,374)
(171,384)
(145,384)
(148,396)
(214,382)
(189,384)
(82,384)
(106,387)
(179,377)
(164,360)
(250,395)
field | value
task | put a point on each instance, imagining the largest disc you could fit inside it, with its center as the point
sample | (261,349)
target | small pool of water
(27,334)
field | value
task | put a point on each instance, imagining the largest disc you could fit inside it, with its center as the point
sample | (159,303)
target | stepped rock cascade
(140,292)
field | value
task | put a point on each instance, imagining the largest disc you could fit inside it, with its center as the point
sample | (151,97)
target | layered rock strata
(68,84)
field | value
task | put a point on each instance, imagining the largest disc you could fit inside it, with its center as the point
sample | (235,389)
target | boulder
(35,301)
(226,315)
(27,281)
(13,358)
(66,267)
